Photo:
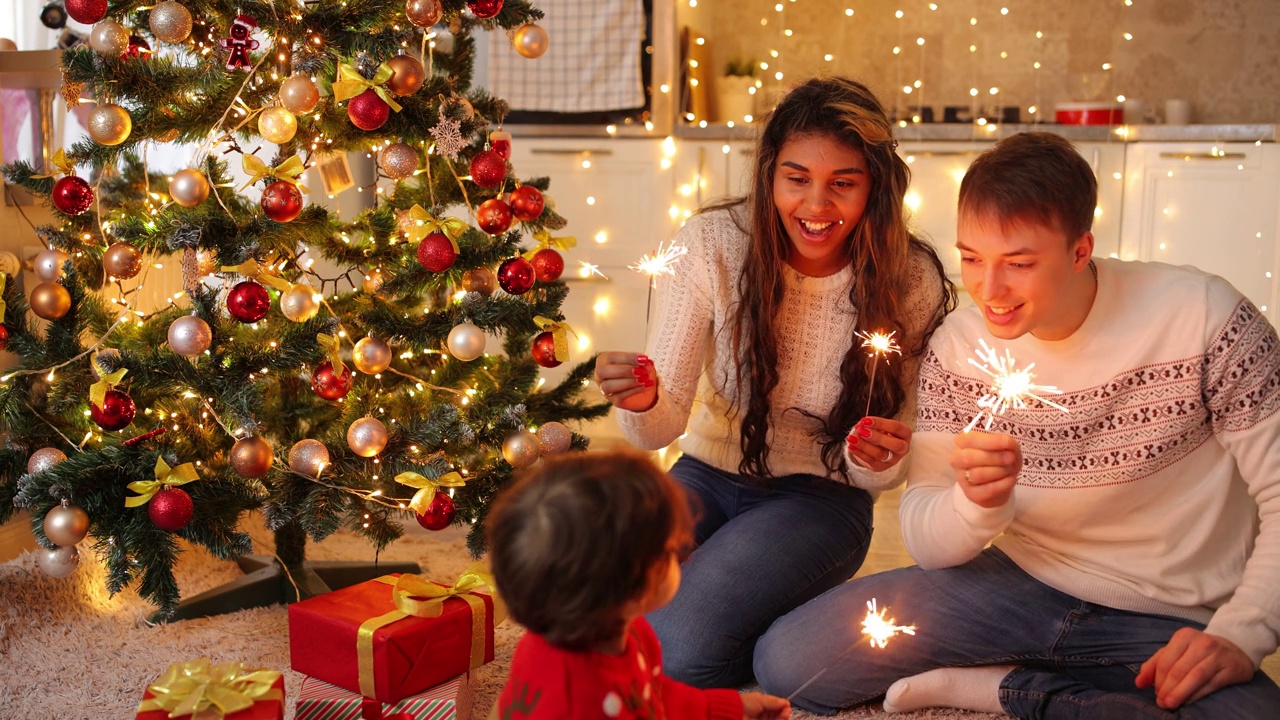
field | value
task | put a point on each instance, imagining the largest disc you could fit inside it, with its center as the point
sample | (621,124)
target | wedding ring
(888,457)
(966,476)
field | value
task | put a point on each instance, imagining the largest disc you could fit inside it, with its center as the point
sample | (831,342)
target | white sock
(968,688)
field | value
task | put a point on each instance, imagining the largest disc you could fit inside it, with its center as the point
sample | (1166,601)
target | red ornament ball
(138,47)
(439,514)
(89,11)
(515,275)
(436,253)
(4,336)
(116,413)
(526,203)
(494,216)
(248,302)
(488,169)
(548,265)
(170,509)
(330,385)
(368,111)
(282,201)
(485,9)
(72,195)
(544,350)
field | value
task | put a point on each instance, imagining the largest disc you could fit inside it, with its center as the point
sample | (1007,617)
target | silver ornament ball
(43,459)
(58,562)
(109,37)
(170,21)
(466,342)
(299,303)
(371,355)
(277,125)
(554,438)
(398,160)
(521,449)
(367,437)
(531,40)
(48,264)
(309,457)
(298,94)
(189,187)
(110,124)
(189,336)
(66,524)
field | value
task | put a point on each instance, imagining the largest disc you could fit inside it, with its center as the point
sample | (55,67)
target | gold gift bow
(406,593)
(424,224)
(59,161)
(545,241)
(3,278)
(289,170)
(351,83)
(427,487)
(251,268)
(181,475)
(559,333)
(106,381)
(333,346)
(197,685)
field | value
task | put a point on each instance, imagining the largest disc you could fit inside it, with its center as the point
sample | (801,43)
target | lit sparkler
(1010,386)
(588,270)
(661,262)
(879,346)
(880,630)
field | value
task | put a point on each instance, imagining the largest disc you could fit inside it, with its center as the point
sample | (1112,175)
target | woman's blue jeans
(762,552)
(1076,659)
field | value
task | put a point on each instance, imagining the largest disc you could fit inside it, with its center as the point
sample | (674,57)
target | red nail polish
(864,432)
(866,421)
(644,359)
(853,441)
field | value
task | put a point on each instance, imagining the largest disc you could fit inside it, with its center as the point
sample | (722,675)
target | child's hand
(758,706)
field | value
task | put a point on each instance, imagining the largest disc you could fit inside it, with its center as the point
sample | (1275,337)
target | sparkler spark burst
(880,630)
(879,344)
(1010,386)
(661,262)
(588,270)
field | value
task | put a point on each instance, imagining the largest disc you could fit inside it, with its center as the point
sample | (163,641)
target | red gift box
(203,687)
(318,700)
(380,639)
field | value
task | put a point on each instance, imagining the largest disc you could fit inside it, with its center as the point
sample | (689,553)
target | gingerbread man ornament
(240,43)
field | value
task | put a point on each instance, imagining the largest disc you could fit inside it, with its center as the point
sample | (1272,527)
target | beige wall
(1222,55)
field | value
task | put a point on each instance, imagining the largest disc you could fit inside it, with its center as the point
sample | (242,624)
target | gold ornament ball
(66,524)
(251,457)
(170,21)
(466,342)
(189,187)
(409,75)
(43,459)
(122,261)
(50,300)
(48,264)
(298,94)
(371,355)
(277,125)
(300,302)
(367,436)
(423,13)
(189,336)
(531,40)
(109,37)
(398,160)
(521,449)
(373,280)
(309,457)
(110,124)
(58,562)
(479,280)
(554,438)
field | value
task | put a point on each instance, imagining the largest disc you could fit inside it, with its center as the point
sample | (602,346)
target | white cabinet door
(707,171)
(1210,206)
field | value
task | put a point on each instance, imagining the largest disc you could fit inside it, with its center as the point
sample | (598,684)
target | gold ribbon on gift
(424,223)
(165,475)
(545,241)
(197,686)
(289,170)
(251,268)
(3,278)
(63,165)
(417,597)
(351,83)
(559,333)
(333,347)
(106,381)
(427,487)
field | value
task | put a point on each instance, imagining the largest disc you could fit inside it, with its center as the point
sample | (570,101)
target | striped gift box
(319,700)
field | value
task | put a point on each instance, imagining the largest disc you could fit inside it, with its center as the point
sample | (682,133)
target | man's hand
(1192,665)
(986,466)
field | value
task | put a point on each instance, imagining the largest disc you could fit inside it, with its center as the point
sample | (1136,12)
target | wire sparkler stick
(1010,386)
(879,346)
(878,630)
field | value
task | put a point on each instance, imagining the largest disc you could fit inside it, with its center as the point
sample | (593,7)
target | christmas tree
(358,398)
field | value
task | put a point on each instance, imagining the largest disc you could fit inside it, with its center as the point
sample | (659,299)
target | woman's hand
(878,443)
(628,380)
(758,706)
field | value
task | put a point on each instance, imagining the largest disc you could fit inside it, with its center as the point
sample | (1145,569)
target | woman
(762,310)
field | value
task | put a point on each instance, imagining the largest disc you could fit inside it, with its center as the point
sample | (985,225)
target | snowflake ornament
(448,135)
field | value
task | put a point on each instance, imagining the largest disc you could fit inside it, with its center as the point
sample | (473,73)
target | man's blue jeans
(762,552)
(1076,659)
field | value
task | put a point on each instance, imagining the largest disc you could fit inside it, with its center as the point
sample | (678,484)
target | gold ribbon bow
(333,346)
(63,165)
(427,487)
(351,83)
(289,170)
(251,268)
(197,685)
(424,224)
(559,333)
(3,278)
(181,475)
(106,381)
(546,241)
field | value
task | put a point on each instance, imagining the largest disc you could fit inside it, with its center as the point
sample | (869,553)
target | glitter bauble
(554,438)
(466,341)
(308,457)
(300,302)
(72,195)
(398,161)
(485,9)
(371,355)
(373,280)
(367,111)
(526,203)
(367,437)
(49,300)
(116,412)
(544,350)
(44,458)
(530,40)
(110,124)
(60,561)
(66,524)
(488,169)
(87,12)
(189,187)
(330,385)
(494,216)
(189,336)
(48,264)
(299,94)
(170,509)
(521,449)
(138,48)
(515,275)
(4,337)
(251,457)
(479,280)
(548,265)
(122,261)
(248,302)
(281,201)
(277,125)
(439,512)
(170,21)
(109,37)
(409,75)
(423,13)
(436,252)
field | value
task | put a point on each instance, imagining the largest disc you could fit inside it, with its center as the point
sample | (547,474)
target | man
(1134,570)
